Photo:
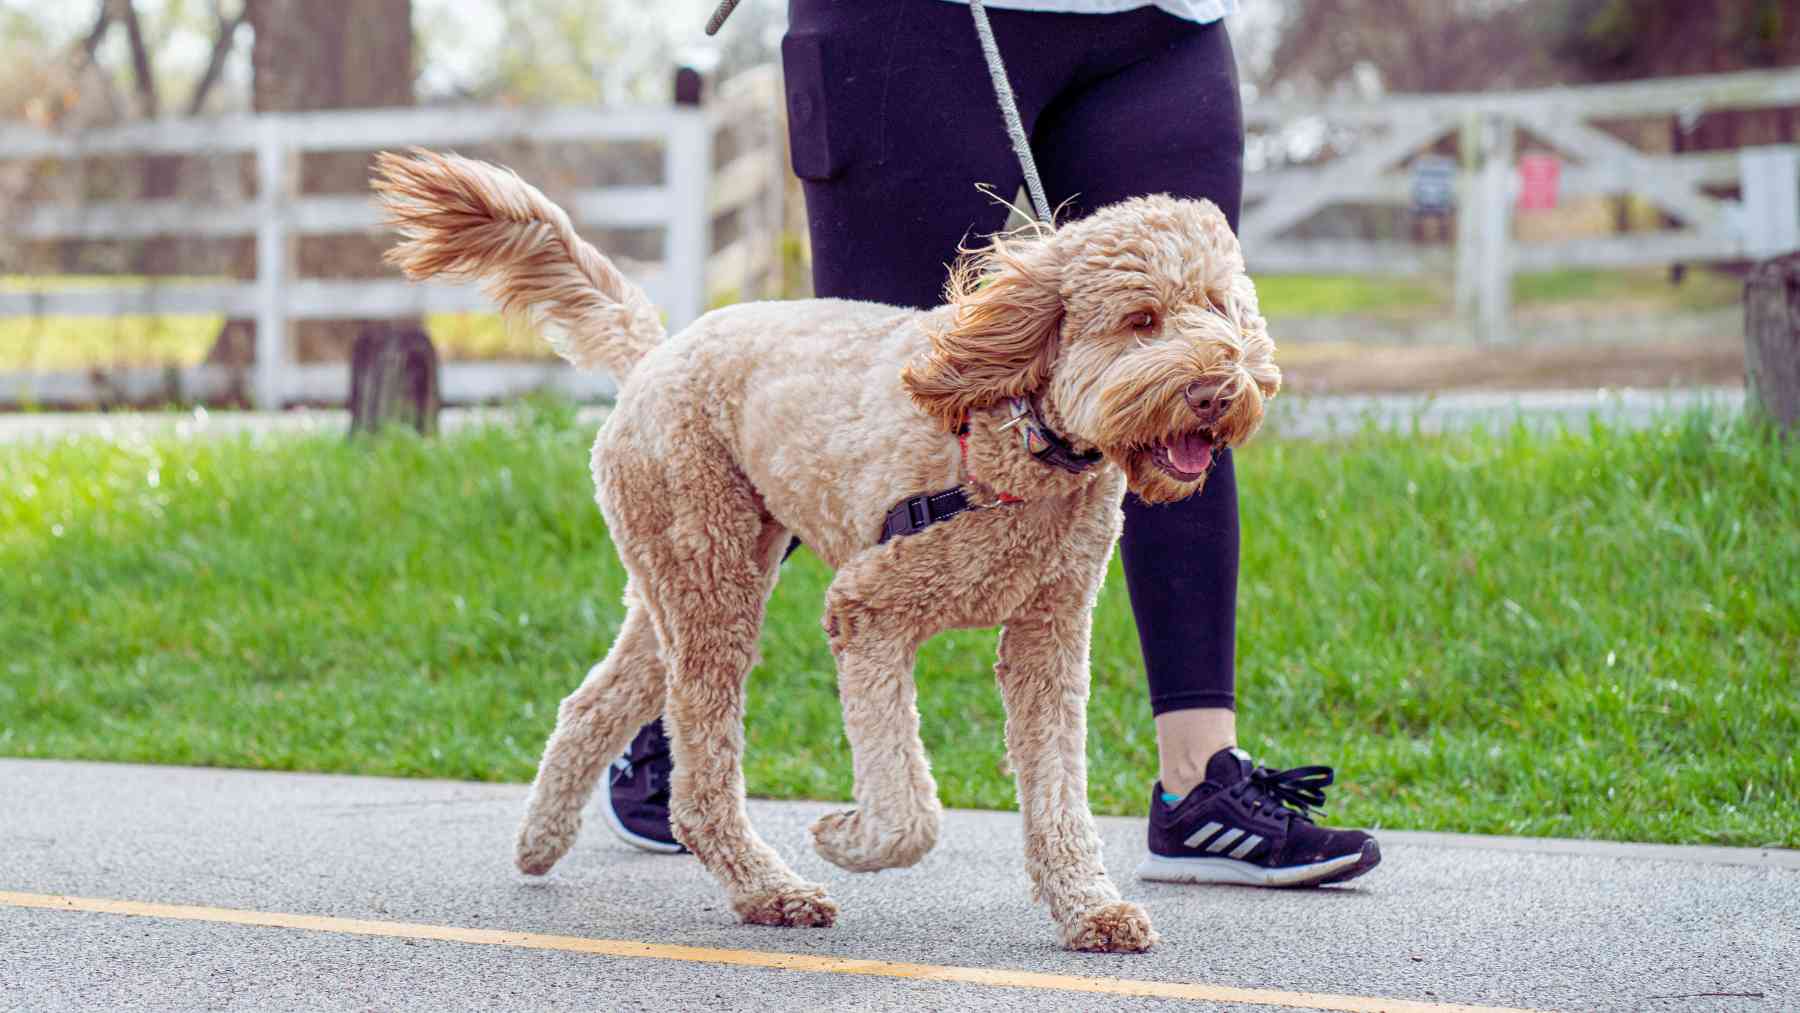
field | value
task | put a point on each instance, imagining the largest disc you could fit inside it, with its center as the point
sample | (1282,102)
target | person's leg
(891,125)
(1156,111)
(1167,121)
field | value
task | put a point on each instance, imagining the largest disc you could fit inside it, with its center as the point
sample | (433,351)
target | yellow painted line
(807,962)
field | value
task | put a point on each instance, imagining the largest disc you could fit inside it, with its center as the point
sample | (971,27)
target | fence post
(687,242)
(1772,339)
(274,188)
(1493,292)
(1468,218)
(1770,178)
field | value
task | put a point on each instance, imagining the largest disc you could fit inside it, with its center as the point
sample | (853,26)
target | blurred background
(1518,618)
(1443,194)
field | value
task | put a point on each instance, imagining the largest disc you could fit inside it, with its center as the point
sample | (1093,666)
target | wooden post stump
(393,380)
(1772,339)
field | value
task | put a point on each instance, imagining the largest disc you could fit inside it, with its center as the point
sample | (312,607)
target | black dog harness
(916,513)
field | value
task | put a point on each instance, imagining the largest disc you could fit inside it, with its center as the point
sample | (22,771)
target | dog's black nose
(1207,400)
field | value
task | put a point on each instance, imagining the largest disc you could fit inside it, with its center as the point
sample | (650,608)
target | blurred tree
(580,51)
(161,175)
(1406,45)
(331,54)
(327,54)
(1475,45)
(1610,40)
(123,15)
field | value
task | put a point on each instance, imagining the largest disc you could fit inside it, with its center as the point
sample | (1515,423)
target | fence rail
(1762,221)
(684,205)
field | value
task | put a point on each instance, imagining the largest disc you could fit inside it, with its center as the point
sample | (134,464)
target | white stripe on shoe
(1246,847)
(1203,833)
(1224,841)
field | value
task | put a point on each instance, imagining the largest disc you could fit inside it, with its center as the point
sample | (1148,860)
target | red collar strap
(962,440)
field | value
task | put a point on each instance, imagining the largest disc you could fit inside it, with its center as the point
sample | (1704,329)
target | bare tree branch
(140,59)
(101,23)
(215,62)
(90,60)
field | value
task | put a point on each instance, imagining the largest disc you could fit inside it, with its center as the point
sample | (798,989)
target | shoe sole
(1163,869)
(636,840)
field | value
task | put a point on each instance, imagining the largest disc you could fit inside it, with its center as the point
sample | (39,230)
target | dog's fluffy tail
(471,221)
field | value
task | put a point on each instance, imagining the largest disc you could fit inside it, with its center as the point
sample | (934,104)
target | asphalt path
(163,888)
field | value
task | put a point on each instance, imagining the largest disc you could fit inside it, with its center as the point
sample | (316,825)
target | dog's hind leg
(592,726)
(897,816)
(1043,675)
(707,577)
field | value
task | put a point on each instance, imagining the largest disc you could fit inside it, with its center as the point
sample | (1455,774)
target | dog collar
(1044,443)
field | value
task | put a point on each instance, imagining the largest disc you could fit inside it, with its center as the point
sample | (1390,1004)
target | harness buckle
(918,513)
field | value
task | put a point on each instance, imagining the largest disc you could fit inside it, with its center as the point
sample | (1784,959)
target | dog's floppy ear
(1001,340)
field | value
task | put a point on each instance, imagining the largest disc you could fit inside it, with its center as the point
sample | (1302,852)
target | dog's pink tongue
(1191,453)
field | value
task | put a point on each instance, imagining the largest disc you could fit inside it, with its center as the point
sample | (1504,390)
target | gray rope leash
(1009,111)
(1003,93)
(717,21)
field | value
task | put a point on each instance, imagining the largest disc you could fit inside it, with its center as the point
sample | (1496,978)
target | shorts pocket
(809,130)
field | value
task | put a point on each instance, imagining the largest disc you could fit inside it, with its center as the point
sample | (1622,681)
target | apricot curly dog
(1118,350)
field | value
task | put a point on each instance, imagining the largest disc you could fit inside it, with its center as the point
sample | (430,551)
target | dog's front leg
(895,822)
(1043,675)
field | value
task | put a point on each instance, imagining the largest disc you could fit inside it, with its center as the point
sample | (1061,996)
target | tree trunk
(393,381)
(1772,339)
(328,54)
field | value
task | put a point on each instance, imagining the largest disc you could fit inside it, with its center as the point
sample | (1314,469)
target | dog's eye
(1141,321)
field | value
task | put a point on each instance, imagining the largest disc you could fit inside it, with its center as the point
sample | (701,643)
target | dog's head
(1135,328)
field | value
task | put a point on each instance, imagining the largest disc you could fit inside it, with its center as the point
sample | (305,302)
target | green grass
(1648,288)
(52,343)
(60,343)
(49,344)
(1320,295)
(1641,289)
(1592,634)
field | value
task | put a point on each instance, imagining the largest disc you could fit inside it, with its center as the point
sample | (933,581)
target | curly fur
(764,421)
(470,221)
(1001,339)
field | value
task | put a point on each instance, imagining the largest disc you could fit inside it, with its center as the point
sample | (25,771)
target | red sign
(1539,177)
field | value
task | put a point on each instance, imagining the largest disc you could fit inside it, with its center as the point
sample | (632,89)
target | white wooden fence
(1764,221)
(684,204)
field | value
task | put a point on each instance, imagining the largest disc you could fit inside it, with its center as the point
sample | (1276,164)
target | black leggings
(892,122)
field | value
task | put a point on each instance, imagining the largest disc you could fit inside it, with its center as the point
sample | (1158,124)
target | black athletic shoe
(637,801)
(1252,825)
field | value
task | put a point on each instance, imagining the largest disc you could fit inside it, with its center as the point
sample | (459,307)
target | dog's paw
(539,846)
(802,906)
(854,843)
(1116,927)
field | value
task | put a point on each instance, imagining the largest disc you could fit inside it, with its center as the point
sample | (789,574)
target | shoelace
(657,781)
(1297,791)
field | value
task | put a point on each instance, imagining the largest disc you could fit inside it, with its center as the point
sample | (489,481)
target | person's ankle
(1186,740)
(1187,772)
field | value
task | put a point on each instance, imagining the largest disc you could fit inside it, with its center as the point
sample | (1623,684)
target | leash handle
(1009,110)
